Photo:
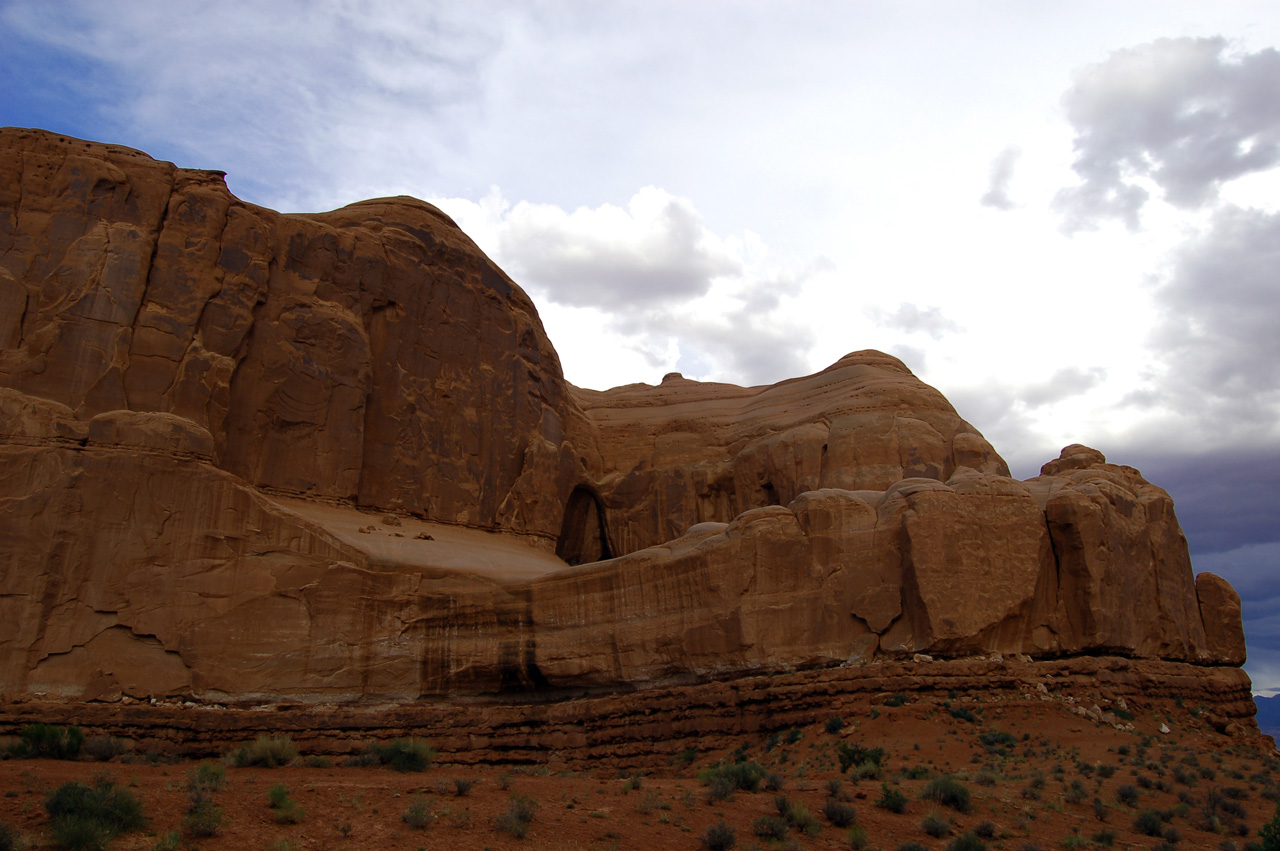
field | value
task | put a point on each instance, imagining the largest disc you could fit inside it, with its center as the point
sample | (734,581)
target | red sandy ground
(599,808)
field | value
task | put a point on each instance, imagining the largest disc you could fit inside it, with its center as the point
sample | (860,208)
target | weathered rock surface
(653,726)
(688,452)
(247,456)
(371,354)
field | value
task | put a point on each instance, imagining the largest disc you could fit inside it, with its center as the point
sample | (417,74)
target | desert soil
(1054,781)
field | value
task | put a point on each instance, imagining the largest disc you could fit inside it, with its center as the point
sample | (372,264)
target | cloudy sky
(1065,216)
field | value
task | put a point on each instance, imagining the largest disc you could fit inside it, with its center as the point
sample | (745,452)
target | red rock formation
(247,456)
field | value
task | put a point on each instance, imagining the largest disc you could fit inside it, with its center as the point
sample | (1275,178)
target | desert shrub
(103,748)
(867,771)
(839,814)
(997,741)
(770,827)
(985,778)
(802,820)
(835,724)
(79,833)
(936,826)
(49,741)
(287,810)
(835,789)
(851,755)
(204,817)
(266,751)
(985,830)
(891,799)
(1104,838)
(318,761)
(949,792)
(1127,795)
(208,776)
(1075,793)
(419,815)
(746,776)
(462,785)
(365,759)
(87,817)
(171,841)
(404,754)
(518,817)
(963,714)
(719,837)
(719,789)
(912,846)
(857,837)
(773,781)
(1148,823)
(1269,833)
(966,842)
(10,839)
(895,699)
(1106,771)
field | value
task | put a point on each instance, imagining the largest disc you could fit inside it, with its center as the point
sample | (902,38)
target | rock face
(247,456)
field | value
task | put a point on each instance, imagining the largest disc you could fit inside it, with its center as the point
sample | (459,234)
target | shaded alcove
(583,535)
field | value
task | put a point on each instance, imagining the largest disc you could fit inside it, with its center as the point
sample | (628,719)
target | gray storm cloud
(1181,116)
(1218,337)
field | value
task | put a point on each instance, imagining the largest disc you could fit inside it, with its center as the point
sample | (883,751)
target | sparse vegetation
(266,751)
(287,810)
(770,828)
(420,814)
(719,837)
(746,776)
(104,748)
(966,842)
(853,755)
(838,813)
(48,741)
(1149,823)
(949,792)
(936,826)
(400,755)
(891,799)
(86,818)
(1269,833)
(518,817)
(10,839)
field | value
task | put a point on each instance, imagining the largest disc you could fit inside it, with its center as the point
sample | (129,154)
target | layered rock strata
(655,725)
(248,457)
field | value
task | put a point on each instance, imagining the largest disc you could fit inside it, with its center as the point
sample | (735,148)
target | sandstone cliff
(252,456)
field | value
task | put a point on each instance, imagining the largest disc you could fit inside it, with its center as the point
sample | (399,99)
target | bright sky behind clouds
(1064,216)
